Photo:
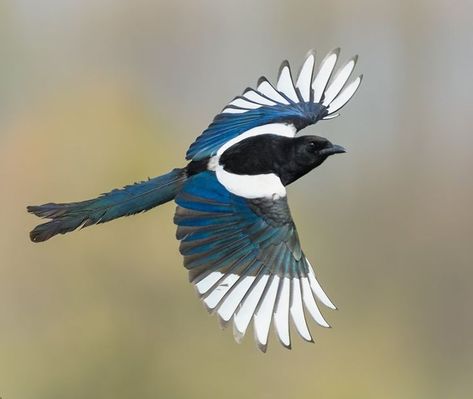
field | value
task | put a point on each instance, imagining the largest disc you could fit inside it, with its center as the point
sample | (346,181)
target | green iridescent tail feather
(129,200)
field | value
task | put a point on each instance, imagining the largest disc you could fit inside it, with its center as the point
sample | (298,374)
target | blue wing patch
(245,260)
(299,104)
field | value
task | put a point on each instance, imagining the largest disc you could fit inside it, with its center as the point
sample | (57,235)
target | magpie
(238,239)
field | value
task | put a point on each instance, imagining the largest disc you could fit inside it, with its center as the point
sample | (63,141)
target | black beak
(333,149)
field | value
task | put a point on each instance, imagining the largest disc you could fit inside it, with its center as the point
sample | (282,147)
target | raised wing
(288,107)
(245,260)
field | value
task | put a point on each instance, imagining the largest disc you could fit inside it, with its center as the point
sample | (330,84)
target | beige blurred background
(98,94)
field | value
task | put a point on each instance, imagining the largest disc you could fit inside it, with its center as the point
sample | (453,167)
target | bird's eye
(314,146)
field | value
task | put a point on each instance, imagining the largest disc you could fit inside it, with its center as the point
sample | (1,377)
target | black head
(289,158)
(308,153)
(313,150)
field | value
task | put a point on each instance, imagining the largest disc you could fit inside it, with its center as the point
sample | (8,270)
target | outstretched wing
(245,260)
(284,109)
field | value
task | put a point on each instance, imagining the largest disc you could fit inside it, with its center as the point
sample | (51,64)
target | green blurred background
(98,94)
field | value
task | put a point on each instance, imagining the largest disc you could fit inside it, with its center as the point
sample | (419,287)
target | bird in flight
(236,232)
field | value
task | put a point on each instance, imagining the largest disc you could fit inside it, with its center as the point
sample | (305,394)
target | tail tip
(39,235)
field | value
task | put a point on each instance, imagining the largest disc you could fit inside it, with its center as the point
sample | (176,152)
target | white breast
(255,186)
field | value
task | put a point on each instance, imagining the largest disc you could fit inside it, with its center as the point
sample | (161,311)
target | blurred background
(98,94)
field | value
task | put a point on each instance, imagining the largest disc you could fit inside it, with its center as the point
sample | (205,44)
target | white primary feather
(297,311)
(310,304)
(323,76)
(331,116)
(286,85)
(234,111)
(264,313)
(207,282)
(269,91)
(246,298)
(217,293)
(305,76)
(317,289)
(240,102)
(258,98)
(339,81)
(245,312)
(231,302)
(281,314)
(344,96)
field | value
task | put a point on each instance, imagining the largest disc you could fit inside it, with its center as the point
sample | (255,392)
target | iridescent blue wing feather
(245,260)
(292,106)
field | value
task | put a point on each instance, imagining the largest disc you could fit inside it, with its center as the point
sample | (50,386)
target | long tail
(129,200)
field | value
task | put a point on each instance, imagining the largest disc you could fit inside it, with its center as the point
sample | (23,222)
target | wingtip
(209,309)
(222,322)
(306,338)
(286,341)
(283,65)
(336,51)
(260,80)
(353,60)
(286,345)
(312,53)
(325,300)
(262,347)
(323,323)
(199,294)
(331,305)
(237,335)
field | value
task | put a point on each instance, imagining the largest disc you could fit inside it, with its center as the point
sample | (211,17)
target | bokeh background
(98,94)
